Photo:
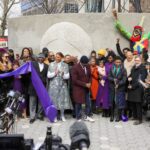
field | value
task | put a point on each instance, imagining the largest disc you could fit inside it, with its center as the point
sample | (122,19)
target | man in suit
(81,83)
(41,69)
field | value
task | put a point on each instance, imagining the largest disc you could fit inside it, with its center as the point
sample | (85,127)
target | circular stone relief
(68,38)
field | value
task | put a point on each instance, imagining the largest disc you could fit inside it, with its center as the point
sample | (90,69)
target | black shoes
(40,118)
(103,114)
(137,122)
(31,121)
(117,119)
(111,118)
(111,115)
(132,118)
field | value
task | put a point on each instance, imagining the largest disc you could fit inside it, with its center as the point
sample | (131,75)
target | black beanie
(84,60)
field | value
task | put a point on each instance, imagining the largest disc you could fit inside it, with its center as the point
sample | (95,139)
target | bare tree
(48,6)
(119,5)
(5,6)
(113,4)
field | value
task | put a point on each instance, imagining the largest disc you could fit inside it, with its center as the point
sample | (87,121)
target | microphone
(12,103)
(11,93)
(79,135)
(14,94)
(17,95)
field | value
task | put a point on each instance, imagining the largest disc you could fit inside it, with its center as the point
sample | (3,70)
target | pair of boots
(105,113)
(117,115)
(94,108)
(62,116)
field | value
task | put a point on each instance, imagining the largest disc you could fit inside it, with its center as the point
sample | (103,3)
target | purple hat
(3,50)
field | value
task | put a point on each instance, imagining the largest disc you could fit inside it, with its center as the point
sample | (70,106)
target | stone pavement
(103,134)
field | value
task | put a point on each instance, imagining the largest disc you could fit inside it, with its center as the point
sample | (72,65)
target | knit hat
(102,52)
(84,60)
(138,27)
(41,55)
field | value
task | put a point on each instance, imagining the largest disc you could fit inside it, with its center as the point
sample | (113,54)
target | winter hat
(102,52)
(84,60)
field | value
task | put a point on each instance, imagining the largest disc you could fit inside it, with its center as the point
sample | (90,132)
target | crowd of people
(103,82)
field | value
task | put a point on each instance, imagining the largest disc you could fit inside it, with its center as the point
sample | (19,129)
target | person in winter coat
(81,84)
(94,83)
(117,80)
(102,99)
(135,89)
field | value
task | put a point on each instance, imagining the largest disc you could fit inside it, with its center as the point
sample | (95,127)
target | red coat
(79,80)
(95,82)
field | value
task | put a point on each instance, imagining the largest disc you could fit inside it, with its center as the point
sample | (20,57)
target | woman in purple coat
(117,84)
(102,99)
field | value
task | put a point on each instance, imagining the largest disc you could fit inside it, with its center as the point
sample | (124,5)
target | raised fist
(115,14)
(118,40)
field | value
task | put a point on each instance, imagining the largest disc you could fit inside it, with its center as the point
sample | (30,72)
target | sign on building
(3,42)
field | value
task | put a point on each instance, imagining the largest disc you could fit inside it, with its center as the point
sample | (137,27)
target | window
(71,8)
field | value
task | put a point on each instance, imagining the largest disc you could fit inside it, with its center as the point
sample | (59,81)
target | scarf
(128,65)
(116,71)
(102,71)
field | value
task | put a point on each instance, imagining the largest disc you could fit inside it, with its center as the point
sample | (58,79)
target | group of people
(118,86)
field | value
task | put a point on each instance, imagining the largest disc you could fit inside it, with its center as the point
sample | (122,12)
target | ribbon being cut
(46,102)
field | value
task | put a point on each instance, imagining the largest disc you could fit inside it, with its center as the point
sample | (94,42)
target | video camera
(79,135)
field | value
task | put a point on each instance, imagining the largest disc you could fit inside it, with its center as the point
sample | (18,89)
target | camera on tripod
(79,135)
(10,110)
(53,142)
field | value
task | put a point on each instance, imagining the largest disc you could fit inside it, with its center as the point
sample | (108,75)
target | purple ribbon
(45,100)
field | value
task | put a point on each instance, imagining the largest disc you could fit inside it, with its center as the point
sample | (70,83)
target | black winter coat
(121,79)
(137,92)
(42,75)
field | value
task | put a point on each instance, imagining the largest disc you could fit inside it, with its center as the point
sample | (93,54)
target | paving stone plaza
(103,134)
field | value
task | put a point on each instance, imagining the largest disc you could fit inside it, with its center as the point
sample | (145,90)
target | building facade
(33,7)
(144,5)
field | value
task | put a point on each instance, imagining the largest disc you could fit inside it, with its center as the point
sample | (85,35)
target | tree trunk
(103,6)
(113,4)
(3,26)
(119,5)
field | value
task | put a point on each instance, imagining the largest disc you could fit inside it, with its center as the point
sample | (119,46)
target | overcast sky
(15,11)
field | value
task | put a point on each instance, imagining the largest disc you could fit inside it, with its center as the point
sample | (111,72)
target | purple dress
(17,84)
(102,99)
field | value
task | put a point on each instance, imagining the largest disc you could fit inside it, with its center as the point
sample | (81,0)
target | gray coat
(57,87)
